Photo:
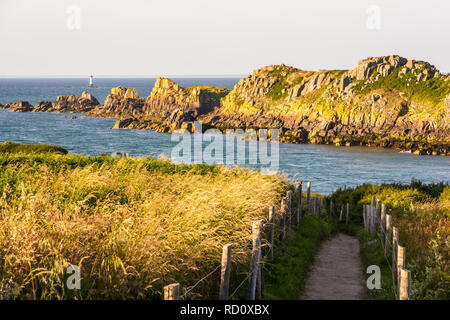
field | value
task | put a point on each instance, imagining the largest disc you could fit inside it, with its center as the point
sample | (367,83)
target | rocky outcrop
(168,107)
(19,106)
(70,104)
(75,104)
(385,101)
(120,103)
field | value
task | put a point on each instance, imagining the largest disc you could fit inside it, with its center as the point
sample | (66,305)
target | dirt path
(337,272)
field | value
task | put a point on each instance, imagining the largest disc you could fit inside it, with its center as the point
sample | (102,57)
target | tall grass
(131,225)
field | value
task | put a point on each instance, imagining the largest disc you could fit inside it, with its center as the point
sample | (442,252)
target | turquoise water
(328,167)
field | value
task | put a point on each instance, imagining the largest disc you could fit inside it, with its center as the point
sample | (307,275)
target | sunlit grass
(132,225)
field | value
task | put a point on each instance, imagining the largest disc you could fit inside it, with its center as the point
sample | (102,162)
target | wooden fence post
(256,254)
(289,211)
(364,217)
(387,239)
(225,272)
(378,210)
(348,212)
(383,224)
(308,194)
(283,219)
(270,236)
(259,279)
(405,284)
(394,253)
(299,203)
(368,217)
(172,292)
(400,257)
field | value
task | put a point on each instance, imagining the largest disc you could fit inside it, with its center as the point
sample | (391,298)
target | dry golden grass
(130,227)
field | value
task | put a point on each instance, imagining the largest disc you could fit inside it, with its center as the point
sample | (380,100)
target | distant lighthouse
(91,81)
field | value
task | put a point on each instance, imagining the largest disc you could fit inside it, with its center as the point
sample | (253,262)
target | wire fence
(279,227)
(276,226)
(199,281)
(377,222)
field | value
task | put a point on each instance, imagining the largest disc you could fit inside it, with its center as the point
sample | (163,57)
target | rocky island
(70,104)
(387,101)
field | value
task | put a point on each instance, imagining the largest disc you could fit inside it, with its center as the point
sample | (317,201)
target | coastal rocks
(19,106)
(167,96)
(347,107)
(447,102)
(123,123)
(120,103)
(167,108)
(75,104)
(385,101)
(43,106)
(317,81)
(383,65)
(70,104)
(131,94)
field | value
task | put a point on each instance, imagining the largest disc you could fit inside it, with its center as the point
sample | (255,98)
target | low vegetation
(422,214)
(12,147)
(431,91)
(131,225)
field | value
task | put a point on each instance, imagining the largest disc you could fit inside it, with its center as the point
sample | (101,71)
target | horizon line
(124,76)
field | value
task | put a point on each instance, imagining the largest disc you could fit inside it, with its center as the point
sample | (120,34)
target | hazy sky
(210,37)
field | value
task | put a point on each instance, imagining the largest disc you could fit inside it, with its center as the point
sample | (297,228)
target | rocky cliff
(167,108)
(384,101)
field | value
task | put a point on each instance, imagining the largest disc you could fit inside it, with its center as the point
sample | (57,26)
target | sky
(209,37)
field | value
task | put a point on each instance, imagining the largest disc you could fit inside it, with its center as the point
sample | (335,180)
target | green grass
(431,91)
(57,161)
(12,147)
(277,93)
(293,258)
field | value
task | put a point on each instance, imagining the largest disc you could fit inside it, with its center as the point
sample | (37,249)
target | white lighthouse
(91,81)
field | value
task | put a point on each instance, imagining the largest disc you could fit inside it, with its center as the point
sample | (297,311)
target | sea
(327,167)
